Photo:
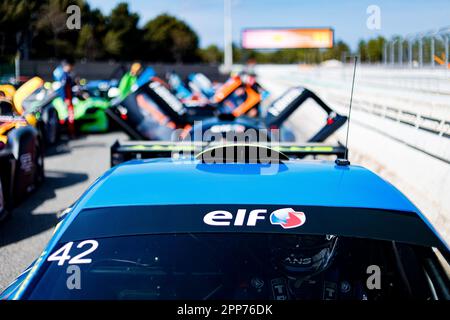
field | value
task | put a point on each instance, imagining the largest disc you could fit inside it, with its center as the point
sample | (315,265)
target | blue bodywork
(145,76)
(206,87)
(191,182)
(177,85)
(171,182)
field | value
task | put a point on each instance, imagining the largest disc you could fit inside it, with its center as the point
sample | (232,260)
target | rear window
(275,266)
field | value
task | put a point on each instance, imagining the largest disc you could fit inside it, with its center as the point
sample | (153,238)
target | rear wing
(130,150)
(283,107)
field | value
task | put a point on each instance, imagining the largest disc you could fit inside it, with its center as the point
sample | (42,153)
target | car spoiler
(130,150)
(283,107)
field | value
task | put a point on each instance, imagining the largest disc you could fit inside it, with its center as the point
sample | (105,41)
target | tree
(362,50)
(16,17)
(211,54)
(168,39)
(113,43)
(375,49)
(90,38)
(293,55)
(51,35)
(86,44)
(338,52)
(122,39)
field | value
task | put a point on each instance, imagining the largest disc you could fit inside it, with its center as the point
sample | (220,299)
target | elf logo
(287,218)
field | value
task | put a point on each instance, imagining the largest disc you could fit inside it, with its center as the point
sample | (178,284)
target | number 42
(62,254)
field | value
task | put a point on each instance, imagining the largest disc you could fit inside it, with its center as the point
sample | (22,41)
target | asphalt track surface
(70,168)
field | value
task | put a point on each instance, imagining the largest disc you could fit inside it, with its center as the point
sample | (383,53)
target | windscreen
(207,266)
(37,99)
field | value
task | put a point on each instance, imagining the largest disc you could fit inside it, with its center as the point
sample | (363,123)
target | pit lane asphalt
(70,167)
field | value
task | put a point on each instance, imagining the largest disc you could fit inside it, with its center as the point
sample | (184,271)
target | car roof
(316,183)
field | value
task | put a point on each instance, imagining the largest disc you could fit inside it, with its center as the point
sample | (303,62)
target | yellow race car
(34,101)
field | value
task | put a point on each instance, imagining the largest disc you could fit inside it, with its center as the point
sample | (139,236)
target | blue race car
(245,229)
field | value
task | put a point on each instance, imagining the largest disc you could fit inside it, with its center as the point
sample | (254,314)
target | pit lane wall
(400,124)
(107,70)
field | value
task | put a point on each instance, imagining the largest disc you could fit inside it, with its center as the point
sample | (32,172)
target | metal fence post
(446,50)
(392,52)
(410,52)
(228,40)
(432,52)
(420,52)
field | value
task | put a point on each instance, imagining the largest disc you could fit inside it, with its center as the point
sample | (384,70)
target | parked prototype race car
(43,102)
(91,101)
(3,209)
(240,94)
(21,156)
(8,90)
(305,230)
(89,112)
(40,106)
(152,112)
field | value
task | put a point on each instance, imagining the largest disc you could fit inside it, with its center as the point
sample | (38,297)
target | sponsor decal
(26,162)
(168,97)
(287,218)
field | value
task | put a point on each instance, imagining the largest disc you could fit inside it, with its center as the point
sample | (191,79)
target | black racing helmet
(303,255)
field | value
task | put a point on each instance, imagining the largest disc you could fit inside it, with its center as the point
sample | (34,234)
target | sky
(348,18)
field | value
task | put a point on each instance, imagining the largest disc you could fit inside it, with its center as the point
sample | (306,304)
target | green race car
(90,116)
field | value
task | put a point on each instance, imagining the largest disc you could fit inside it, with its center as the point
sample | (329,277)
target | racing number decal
(78,258)
(62,254)
(64,251)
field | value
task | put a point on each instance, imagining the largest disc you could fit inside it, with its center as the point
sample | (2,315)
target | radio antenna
(345,162)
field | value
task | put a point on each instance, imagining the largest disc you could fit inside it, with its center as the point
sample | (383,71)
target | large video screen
(283,38)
